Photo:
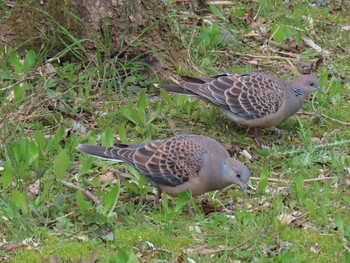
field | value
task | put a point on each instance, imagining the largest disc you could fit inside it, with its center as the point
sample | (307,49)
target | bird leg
(157,197)
(255,132)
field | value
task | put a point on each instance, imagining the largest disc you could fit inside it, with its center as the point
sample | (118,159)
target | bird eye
(311,84)
(238,175)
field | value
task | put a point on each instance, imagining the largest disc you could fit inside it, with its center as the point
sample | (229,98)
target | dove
(194,162)
(256,100)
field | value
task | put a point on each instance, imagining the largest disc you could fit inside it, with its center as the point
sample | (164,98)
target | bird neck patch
(297,91)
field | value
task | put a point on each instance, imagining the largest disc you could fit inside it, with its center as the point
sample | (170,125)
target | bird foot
(276,130)
(255,132)
(158,197)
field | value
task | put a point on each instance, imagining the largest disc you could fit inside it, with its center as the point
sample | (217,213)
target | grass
(292,218)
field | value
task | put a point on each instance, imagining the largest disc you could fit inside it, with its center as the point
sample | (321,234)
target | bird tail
(97,151)
(175,89)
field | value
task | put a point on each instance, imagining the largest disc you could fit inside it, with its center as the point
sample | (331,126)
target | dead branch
(16,83)
(256,56)
(203,250)
(316,47)
(61,217)
(326,117)
(280,46)
(88,194)
(274,180)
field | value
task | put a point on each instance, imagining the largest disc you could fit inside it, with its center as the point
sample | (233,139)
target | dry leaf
(11,96)
(286,219)
(79,128)
(315,249)
(246,154)
(47,69)
(34,188)
(93,257)
(316,47)
(82,238)
(54,259)
(316,139)
(108,176)
(195,229)
(171,123)
(10,246)
(202,250)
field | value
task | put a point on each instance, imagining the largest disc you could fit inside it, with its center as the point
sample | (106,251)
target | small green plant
(138,113)
(216,11)
(179,102)
(113,203)
(15,72)
(298,188)
(172,212)
(263,181)
(124,257)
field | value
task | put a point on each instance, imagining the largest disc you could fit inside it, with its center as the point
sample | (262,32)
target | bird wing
(250,96)
(170,162)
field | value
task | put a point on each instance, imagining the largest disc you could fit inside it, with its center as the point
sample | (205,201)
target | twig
(221,3)
(326,117)
(88,194)
(274,180)
(271,180)
(316,47)
(8,185)
(255,56)
(16,83)
(58,218)
(273,43)
(157,250)
(318,179)
(189,60)
(172,79)
(203,251)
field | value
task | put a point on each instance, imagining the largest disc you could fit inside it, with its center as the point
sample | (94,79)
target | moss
(51,24)
(65,249)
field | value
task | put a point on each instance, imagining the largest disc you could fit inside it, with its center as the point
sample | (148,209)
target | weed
(69,204)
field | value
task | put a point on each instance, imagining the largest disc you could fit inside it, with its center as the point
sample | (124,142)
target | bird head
(306,84)
(236,172)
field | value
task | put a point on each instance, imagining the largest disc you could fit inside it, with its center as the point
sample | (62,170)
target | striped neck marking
(297,91)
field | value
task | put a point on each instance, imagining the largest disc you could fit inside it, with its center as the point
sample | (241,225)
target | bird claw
(256,135)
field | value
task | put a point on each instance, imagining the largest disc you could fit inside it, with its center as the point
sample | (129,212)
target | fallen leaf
(195,229)
(315,249)
(246,154)
(83,238)
(202,250)
(4,257)
(93,257)
(79,128)
(108,176)
(54,259)
(10,246)
(11,96)
(316,139)
(47,69)
(34,188)
(171,123)
(286,219)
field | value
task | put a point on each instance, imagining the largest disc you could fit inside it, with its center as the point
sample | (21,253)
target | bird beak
(245,188)
(319,90)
